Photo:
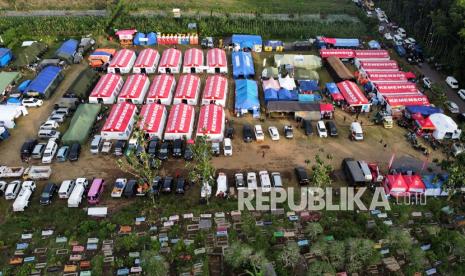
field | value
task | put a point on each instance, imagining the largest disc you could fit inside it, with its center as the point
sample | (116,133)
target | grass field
(54,4)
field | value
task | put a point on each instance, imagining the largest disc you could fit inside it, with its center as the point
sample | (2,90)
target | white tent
(153,119)
(193,61)
(211,122)
(120,123)
(170,62)
(147,61)
(8,114)
(287,82)
(122,62)
(180,122)
(162,89)
(134,89)
(215,90)
(188,90)
(106,90)
(217,61)
(446,128)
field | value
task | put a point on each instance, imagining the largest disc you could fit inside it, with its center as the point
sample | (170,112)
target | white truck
(265,181)
(37,173)
(222,185)
(10,172)
(78,192)
(22,201)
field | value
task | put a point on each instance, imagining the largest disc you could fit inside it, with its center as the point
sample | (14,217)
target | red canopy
(151,117)
(328,40)
(170,58)
(387,76)
(340,53)
(120,116)
(352,93)
(396,87)
(326,107)
(417,116)
(122,58)
(210,119)
(380,65)
(371,54)
(337,96)
(193,57)
(216,58)
(410,75)
(419,99)
(415,183)
(395,185)
(425,123)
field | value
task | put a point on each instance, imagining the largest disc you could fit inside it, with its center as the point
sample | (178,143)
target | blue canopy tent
(423,110)
(243,66)
(45,82)
(347,42)
(315,97)
(151,38)
(22,86)
(139,39)
(373,44)
(246,96)
(6,55)
(287,95)
(331,88)
(67,50)
(434,183)
(308,85)
(252,42)
(271,95)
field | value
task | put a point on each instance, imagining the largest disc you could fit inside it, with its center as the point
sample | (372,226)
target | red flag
(391,161)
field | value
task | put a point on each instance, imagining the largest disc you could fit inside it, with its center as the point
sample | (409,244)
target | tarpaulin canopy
(147,58)
(211,120)
(326,107)
(287,95)
(8,78)
(170,58)
(270,84)
(271,94)
(139,39)
(193,57)
(82,85)
(406,100)
(188,87)
(331,87)
(242,65)
(445,126)
(122,58)
(246,95)
(424,123)
(81,124)
(308,85)
(216,58)
(107,85)
(6,55)
(120,116)
(151,38)
(434,183)
(387,77)
(247,41)
(29,55)
(305,74)
(339,53)
(396,87)
(216,87)
(180,122)
(161,88)
(287,82)
(423,110)
(410,75)
(311,62)
(342,42)
(67,50)
(396,184)
(45,82)
(415,183)
(371,54)
(152,119)
(338,70)
(352,93)
(134,88)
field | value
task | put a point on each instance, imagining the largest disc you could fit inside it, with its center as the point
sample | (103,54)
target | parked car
(130,189)
(332,129)
(452,82)
(252,180)
(163,151)
(427,82)
(402,32)
(302,176)
(461,94)
(50,124)
(3,185)
(239,180)
(119,186)
(62,154)
(180,185)
(321,128)
(96,144)
(265,181)
(229,132)
(227,147)
(32,102)
(95,191)
(61,110)
(177,148)
(288,132)
(388,36)
(216,148)
(274,133)
(27,148)
(38,151)
(152,147)
(106,147)
(50,151)
(167,184)
(12,189)
(276,180)
(452,107)
(48,133)
(74,152)
(188,153)
(356,132)
(58,117)
(259,135)
(120,145)
(66,188)
(247,134)
(307,126)
(156,185)
(47,194)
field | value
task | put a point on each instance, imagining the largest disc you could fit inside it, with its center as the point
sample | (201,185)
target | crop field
(54,4)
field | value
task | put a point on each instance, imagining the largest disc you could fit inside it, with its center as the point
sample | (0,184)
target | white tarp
(287,83)
(446,128)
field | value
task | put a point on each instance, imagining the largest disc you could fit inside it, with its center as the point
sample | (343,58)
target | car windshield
(119,184)
(45,194)
(227,147)
(164,150)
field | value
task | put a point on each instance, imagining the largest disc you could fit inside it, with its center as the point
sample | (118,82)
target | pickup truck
(37,173)
(6,172)
(106,148)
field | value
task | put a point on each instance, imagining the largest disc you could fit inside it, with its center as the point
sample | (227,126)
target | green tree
(238,255)
(321,173)
(438,95)
(320,268)
(153,264)
(336,254)
(360,253)
(127,243)
(290,255)
(201,169)
(456,170)
(313,230)
(97,265)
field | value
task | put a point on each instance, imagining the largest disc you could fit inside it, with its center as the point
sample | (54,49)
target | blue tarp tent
(423,110)
(331,88)
(347,42)
(5,56)
(433,184)
(246,96)
(151,38)
(253,42)
(67,50)
(373,44)
(309,97)
(45,82)
(242,65)
(137,39)
(308,85)
(287,95)
(23,85)
(271,95)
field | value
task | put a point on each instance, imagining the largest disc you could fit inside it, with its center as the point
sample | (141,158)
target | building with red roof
(162,89)
(193,61)
(122,62)
(215,90)
(106,89)
(170,62)
(211,122)
(146,61)
(134,89)
(217,63)
(120,122)
(153,119)
(180,123)
(188,90)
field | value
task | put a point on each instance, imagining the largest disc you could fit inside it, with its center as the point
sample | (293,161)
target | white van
(76,195)
(50,151)
(227,147)
(22,201)
(265,181)
(356,132)
(321,128)
(66,188)
(251,180)
(222,185)
(259,135)
(402,32)
(96,144)
(452,82)
(12,189)
(365,170)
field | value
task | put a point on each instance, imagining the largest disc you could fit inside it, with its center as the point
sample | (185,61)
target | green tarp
(81,124)
(29,54)
(311,62)
(7,78)
(305,74)
(83,83)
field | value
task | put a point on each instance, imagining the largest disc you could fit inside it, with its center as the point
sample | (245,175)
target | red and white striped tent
(353,95)
(180,122)
(147,61)
(340,53)
(193,61)
(388,65)
(188,90)
(215,91)
(211,122)
(217,61)
(106,90)
(386,77)
(120,123)
(122,62)
(134,89)
(367,55)
(153,119)
(170,61)
(401,87)
(162,89)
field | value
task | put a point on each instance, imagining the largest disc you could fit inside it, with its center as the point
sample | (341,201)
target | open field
(55,4)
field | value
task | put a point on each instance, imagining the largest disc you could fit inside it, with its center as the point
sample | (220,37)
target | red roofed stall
(188,90)
(146,62)
(394,185)
(415,184)
(180,122)
(126,36)
(215,91)
(193,61)
(339,53)
(153,119)
(134,89)
(162,89)
(120,123)
(401,87)
(122,62)
(106,89)
(170,62)
(211,122)
(386,77)
(387,65)
(217,63)
(367,55)
(395,101)
(353,96)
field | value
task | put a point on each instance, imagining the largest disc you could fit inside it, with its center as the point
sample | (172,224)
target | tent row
(148,60)
(132,36)
(137,89)
(360,55)
(157,122)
